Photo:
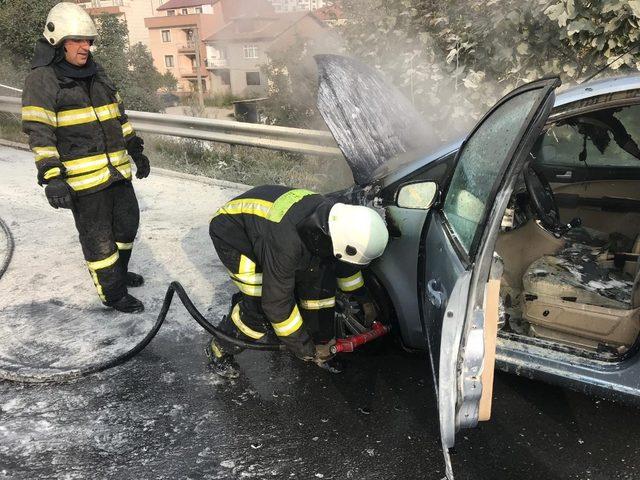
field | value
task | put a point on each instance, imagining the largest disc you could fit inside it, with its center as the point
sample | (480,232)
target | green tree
(455,58)
(21,23)
(130,68)
(292,85)
(600,32)
(111,49)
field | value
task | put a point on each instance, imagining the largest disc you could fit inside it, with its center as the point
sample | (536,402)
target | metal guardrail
(299,140)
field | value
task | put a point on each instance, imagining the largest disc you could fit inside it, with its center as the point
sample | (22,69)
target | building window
(171,13)
(166,36)
(225,77)
(250,51)
(185,11)
(198,9)
(253,78)
(168,61)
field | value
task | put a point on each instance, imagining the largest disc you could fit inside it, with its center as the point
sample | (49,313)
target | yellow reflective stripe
(107,112)
(85,164)
(107,262)
(39,114)
(45,152)
(125,170)
(318,304)
(284,202)
(235,317)
(96,282)
(127,129)
(52,172)
(273,211)
(351,283)
(100,264)
(77,116)
(290,325)
(118,97)
(250,278)
(247,272)
(250,206)
(94,162)
(251,290)
(246,265)
(120,159)
(89,180)
(124,246)
(216,351)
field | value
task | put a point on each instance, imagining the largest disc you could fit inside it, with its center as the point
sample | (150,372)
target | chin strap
(314,231)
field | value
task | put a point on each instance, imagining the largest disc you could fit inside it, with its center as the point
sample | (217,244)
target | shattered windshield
(604,138)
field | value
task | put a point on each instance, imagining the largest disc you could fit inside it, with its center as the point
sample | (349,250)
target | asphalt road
(164,415)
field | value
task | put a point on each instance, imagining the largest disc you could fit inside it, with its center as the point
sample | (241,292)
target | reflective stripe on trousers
(95,267)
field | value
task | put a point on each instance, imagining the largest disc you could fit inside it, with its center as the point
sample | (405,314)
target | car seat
(583,297)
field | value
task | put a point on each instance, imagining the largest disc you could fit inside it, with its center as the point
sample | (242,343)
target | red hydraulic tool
(350,343)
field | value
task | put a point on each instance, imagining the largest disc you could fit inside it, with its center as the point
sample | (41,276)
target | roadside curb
(19,146)
(156,170)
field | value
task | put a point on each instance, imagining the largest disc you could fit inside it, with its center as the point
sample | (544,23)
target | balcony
(190,46)
(217,63)
(186,72)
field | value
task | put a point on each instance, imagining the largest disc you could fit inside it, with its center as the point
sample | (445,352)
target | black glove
(323,352)
(58,193)
(303,348)
(142,165)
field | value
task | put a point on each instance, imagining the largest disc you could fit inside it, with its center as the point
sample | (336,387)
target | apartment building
(173,35)
(297,5)
(178,29)
(236,52)
(132,11)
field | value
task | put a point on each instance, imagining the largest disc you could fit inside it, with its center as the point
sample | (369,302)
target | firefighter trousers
(107,223)
(314,292)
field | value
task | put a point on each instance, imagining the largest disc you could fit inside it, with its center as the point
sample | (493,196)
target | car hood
(371,121)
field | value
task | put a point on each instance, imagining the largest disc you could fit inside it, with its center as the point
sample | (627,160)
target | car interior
(570,238)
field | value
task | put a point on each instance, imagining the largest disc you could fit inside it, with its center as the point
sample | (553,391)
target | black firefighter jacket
(262,225)
(77,132)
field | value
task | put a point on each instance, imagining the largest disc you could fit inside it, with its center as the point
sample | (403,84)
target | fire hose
(346,344)
(350,343)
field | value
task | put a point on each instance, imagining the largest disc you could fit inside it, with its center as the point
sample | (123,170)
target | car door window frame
(468,257)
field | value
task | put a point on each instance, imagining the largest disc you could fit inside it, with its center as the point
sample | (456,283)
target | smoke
(11,76)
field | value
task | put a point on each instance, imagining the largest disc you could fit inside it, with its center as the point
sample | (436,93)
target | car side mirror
(420,195)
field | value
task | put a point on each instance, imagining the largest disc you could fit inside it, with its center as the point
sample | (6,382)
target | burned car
(517,246)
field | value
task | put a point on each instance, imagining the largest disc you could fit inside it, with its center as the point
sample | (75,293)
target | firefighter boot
(134,280)
(221,363)
(127,304)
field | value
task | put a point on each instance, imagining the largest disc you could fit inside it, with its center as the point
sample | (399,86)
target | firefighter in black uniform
(287,250)
(82,140)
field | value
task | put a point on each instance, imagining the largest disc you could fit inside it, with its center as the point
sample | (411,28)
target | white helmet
(68,20)
(358,233)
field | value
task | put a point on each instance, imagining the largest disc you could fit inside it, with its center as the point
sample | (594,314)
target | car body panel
(457,251)
(387,267)
(397,272)
(595,88)
(371,121)
(612,380)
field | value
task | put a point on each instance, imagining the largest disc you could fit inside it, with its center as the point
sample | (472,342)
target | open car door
(459,276)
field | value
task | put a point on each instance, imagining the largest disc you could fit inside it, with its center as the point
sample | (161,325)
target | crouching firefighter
(287,250)
(82,140)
